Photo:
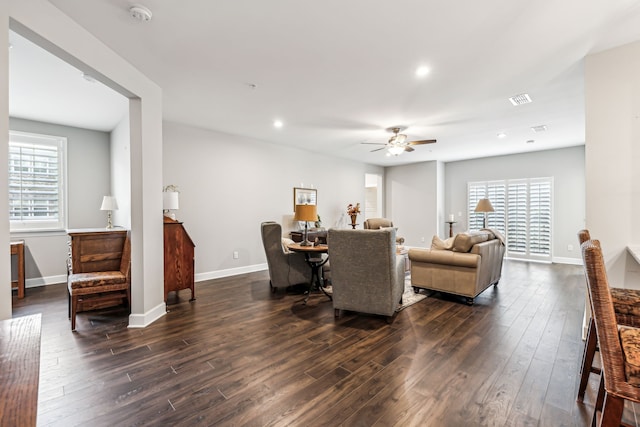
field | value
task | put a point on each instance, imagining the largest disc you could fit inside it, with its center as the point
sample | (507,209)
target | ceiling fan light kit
(398,143)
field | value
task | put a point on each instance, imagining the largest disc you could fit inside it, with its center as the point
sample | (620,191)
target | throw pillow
(438,243)
(285,243)
(463,242)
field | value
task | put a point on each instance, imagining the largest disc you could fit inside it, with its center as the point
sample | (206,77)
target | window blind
(36,199)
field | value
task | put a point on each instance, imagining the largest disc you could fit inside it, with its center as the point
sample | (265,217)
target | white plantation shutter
(36,187)
(496,195)
(476,191)
(522,212)
(517,213)
(540,217)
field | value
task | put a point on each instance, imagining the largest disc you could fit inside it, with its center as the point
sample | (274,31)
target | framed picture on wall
(304,196)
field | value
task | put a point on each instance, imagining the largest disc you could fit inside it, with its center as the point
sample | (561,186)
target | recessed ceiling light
(502,135)
(523,98)
(541,128)
(140,13)
(530,141)
(422,71)
(278,124)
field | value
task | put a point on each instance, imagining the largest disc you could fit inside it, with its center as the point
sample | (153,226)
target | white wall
(228,185)
(44,24)
(121,173)
(412,201)
(88,162)
(566,166)
(612,80)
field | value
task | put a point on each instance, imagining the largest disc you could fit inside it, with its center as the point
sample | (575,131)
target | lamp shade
(170,200)
(109,203)
(306,213)
(484,205)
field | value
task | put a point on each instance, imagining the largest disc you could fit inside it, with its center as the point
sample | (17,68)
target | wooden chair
(619,345)
(100,286)
(626,304)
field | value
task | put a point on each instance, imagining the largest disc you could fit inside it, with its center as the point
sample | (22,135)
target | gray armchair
(378,223)
(366,274)
(285,269)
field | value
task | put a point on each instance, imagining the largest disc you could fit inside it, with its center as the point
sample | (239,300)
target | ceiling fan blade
(424,141)
(373,143)
(408,149)
(378,149)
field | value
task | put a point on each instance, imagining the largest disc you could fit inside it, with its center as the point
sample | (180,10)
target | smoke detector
(140,13)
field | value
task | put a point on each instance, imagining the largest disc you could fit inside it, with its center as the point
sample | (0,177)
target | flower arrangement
(353,210)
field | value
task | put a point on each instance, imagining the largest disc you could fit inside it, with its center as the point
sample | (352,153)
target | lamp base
(305,242)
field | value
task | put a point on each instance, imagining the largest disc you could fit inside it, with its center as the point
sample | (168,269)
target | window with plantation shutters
(522,213)
(36,185)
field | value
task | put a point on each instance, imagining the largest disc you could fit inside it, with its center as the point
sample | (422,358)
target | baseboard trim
(564,260)
(144,320)
(209,275)
(44,281)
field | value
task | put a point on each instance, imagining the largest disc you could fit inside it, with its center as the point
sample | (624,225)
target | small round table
(315,262)
(450,227)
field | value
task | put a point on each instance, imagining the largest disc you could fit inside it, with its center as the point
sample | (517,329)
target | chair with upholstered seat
(619,345)
(378,223)
(366,274)
(100,286)
(626,305)
(285,269)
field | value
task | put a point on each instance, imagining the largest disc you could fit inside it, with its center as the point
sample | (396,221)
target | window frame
(61,144)
(507,208)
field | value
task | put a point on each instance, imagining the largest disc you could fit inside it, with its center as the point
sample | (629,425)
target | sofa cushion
(463,242)
(438,243)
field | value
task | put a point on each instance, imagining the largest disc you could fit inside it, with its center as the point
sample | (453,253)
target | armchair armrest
(444,257)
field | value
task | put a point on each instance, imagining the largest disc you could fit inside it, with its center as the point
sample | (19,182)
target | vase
(353,221)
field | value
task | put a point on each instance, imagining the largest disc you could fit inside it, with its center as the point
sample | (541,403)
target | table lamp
(170,202)
(306,213)
(484,206)
(109,204)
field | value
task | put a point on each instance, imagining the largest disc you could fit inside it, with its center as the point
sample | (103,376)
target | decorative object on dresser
(306,213)
(109,204)
(353,212)
(170,200)
(179,254)
(99,270)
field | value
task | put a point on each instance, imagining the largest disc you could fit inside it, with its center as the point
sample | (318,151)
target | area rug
(409,297)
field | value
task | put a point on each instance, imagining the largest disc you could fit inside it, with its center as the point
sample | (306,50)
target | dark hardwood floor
(241,355)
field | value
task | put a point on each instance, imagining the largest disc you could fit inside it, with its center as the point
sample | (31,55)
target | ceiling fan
(398,143)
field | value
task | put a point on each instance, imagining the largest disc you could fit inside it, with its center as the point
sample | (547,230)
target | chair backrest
(125,261)
(364,271)
(377,223)
(583,236)
(605,318)
(272,242)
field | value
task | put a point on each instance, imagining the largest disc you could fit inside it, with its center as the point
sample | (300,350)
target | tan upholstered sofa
(464,265)
(378,223)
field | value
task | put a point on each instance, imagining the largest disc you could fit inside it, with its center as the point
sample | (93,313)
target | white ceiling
(339,73)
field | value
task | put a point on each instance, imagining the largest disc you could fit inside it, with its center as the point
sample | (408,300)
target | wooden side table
(450,227)
(17,248)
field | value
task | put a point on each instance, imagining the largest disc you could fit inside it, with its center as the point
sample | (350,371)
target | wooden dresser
(179,268)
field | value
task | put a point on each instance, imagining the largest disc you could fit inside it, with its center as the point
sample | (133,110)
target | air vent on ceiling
(540,128)
(523,98)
